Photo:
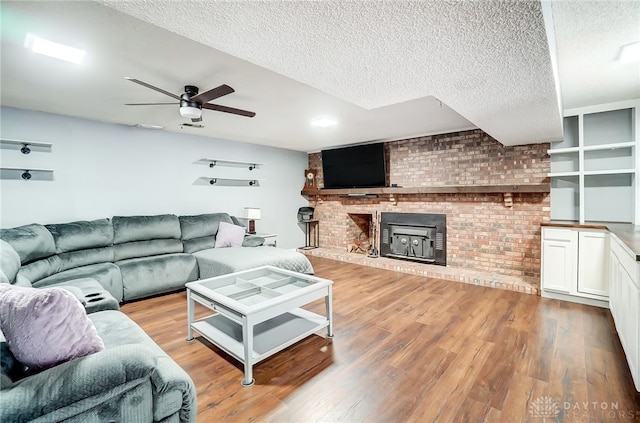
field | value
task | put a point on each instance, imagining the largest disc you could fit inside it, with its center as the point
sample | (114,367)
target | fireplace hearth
(414,236)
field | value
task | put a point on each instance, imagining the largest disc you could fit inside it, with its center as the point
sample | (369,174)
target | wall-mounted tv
(360,166)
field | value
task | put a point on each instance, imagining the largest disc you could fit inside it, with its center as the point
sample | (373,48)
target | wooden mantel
(449,189)
(507,190)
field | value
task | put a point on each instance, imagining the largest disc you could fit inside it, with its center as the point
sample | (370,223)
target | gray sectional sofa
(105,262)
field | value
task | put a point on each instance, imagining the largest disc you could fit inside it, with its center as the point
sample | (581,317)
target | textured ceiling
(589,38)
(487,60)
(385,69)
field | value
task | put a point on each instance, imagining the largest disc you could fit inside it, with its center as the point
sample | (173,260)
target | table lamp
(252,214)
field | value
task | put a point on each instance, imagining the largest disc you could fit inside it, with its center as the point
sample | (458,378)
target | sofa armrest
(78,385)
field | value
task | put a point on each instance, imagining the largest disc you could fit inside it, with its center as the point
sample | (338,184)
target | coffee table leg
(328,302)
(190,315)
(247,337)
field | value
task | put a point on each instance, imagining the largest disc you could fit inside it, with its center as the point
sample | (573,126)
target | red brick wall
(482,233)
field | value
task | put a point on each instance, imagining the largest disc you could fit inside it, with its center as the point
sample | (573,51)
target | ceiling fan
(192,103)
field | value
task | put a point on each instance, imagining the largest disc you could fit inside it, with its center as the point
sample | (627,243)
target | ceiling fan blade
(151,104)
(160,90)
(213,94)
(226,109)
(197,119)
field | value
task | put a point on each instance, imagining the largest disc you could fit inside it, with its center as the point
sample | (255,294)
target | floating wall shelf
(216,162)
(26,173)
(226,181)
(25,147)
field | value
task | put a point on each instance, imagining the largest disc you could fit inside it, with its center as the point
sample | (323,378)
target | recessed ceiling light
(51,49)
(324,122)
(630,53)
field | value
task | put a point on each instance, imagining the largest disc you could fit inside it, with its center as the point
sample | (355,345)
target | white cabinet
(575,265)
(625,303)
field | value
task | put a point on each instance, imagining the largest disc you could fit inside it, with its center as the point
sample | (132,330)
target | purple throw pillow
(45,327)
(229,235)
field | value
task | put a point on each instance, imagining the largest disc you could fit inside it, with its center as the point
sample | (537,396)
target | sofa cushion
(197,244)
(79,258)
(252,241)
(45,327)
(142,228)
(229,235)
(9,262)
(202,225)
(146,276)
(81,235)
(152,247)
(41,269)
(31,242)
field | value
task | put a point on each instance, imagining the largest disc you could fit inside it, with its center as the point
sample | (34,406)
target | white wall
(103,170)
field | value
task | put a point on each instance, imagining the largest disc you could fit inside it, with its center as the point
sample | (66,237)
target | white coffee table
(257,312)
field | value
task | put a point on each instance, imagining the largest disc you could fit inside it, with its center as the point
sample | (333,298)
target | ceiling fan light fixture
(190,109)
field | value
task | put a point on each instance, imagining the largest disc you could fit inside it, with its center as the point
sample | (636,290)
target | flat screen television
(360,166)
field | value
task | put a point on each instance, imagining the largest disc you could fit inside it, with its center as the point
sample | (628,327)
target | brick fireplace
(489,231)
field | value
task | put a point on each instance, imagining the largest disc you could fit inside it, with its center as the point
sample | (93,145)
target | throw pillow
(46,326)
(229,235)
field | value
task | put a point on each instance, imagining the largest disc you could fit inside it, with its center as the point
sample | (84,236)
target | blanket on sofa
(221,261)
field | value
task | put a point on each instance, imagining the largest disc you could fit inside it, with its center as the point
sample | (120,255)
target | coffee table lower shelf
(269,337)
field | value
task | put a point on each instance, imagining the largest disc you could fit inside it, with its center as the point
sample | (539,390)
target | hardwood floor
(414,349)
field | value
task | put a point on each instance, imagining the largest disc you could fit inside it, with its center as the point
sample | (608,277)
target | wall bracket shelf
(215,162)
(25,147)
(26,173)
(226,181)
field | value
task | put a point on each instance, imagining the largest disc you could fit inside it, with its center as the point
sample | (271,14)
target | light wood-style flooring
(414,349)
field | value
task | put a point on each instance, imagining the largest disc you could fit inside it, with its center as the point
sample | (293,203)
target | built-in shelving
(594,168)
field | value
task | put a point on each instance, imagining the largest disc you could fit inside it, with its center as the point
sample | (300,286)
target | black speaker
(305,213)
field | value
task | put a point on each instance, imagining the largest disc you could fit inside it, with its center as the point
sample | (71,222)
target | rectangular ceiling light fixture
(51,49)
(630,53)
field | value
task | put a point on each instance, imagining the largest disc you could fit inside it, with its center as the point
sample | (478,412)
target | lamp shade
(190,112)
(252,213)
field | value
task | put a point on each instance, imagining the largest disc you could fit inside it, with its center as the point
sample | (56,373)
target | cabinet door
(559,257)
(629,316)
(593,263)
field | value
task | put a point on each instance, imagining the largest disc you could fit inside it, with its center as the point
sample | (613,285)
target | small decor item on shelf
(310,183)
(252,214)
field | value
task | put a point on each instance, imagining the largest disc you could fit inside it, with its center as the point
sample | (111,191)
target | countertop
(628,233)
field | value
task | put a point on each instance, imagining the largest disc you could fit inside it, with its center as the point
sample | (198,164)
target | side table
(311,225)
